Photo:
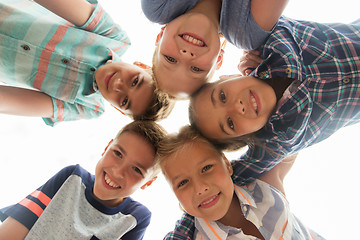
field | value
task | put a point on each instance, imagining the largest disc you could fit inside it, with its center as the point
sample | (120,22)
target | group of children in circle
(298,85)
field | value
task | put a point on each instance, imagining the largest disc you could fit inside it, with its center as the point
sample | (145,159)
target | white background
(322,186)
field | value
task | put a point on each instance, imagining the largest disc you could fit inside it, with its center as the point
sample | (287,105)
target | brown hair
(152,132)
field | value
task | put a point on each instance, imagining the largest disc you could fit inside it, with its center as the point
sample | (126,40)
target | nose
(119,170)
(201,188)
(119,85)
(187,53)
(237,108)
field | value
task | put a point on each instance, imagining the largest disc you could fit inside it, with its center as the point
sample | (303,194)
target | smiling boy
(216,206)
(60,63)
(74,204)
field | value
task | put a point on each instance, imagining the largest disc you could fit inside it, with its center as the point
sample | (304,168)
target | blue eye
(118,153)
(182,183)
(196,69)
(170,59)
(206,168)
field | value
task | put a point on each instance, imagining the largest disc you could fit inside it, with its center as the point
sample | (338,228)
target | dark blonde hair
(173,143)
(152,132)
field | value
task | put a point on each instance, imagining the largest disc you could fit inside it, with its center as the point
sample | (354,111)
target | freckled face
(201,180)
(125,166)
(234,107)
(125,86)
(188,51)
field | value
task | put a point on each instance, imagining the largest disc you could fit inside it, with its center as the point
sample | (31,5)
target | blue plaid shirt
(323,60)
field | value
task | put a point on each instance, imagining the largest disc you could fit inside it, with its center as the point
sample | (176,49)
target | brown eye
(222,96)
(124,102)
(230,123)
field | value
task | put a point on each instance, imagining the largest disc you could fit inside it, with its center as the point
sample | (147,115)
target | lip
(107,79)
(106,185)
(257,100)
(210,201)
(187,37)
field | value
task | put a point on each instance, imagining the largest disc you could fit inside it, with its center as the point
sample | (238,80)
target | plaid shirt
(42,51)
(323,60)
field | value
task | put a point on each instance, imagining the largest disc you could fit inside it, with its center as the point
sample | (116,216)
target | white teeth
(254,102)
(193,40)
(212,199)
(109,182)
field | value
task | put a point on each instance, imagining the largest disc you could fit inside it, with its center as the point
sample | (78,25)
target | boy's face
(234,107)
(125,86)
(188,50)
(125,166)
(201,180)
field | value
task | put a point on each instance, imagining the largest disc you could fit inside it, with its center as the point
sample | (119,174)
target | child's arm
(12,229)
(25,102)
(267,12)
(275,176)
(74,11)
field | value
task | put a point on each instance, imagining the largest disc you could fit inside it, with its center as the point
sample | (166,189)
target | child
(63,70)
(188,48)
(200,176)
(306,89)
(74,204)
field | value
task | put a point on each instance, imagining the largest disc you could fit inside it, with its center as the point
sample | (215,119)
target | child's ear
(148,183)
(107,147)
(220,59)
(228,164)
(159,36)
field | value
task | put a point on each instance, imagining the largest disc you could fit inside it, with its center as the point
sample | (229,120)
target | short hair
(173,143)
(152,132)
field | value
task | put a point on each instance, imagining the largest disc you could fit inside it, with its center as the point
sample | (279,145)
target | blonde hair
(173,143)
(152,132)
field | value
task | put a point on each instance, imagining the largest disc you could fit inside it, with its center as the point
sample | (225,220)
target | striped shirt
(262,205)
(65,208)
(323,60)
(41,51)
(266,208)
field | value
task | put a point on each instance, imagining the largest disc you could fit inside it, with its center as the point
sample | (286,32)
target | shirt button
(346,80)
(65,61)
(92,69)
(308,81)
(245,208)
(262,74)
(25,47)
(288,70)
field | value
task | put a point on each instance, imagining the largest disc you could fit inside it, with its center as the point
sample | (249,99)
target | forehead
(189,156)
(136,148)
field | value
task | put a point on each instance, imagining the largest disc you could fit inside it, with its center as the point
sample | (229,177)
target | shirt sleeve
(164,11)
(239,27)
(28,210)
(102,24)
(138,232)
(184,229)
(64,111)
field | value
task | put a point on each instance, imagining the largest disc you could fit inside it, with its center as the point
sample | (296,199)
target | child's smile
(237,107)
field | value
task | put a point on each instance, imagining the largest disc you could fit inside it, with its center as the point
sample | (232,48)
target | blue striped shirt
(39,50)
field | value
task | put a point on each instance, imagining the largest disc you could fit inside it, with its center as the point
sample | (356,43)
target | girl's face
(125,166)
(125,86)
(234,107)
(201,180)
(188,50)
